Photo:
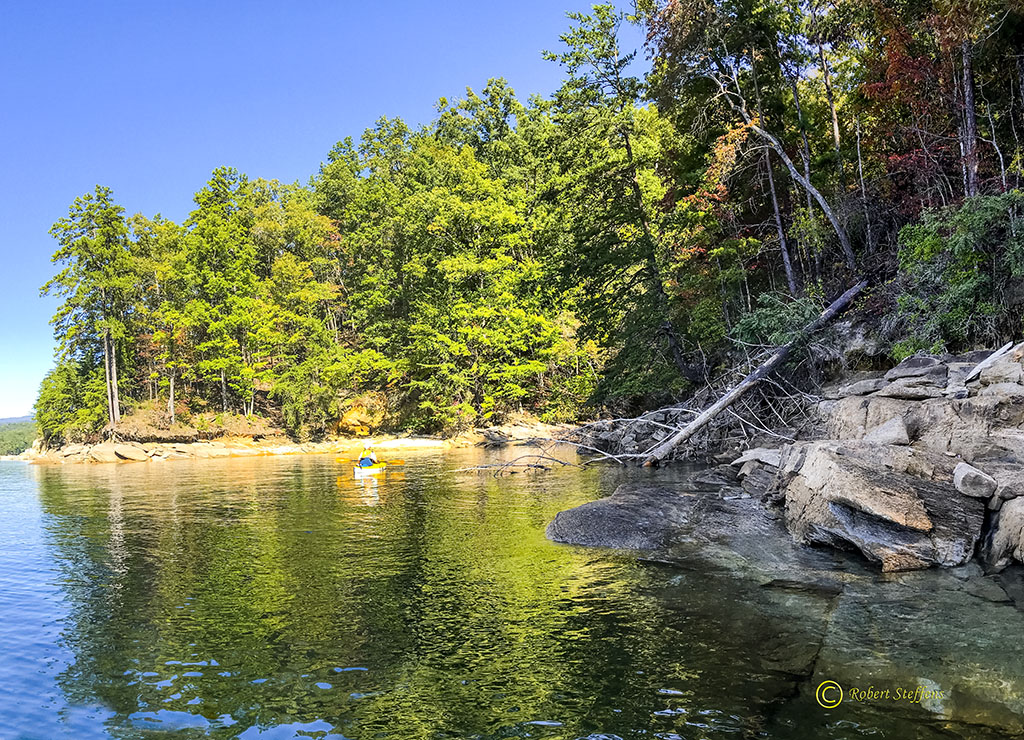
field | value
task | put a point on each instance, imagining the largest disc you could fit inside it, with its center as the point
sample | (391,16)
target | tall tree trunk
(805,152)
(995,145)
(827,76)
(863,190)
(783,247)
(787,264)
(106,376)
(170,399)
(970,143)
(223,391)
(114,382)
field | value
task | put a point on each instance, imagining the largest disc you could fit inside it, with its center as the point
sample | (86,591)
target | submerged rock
(634,517)
(737,534)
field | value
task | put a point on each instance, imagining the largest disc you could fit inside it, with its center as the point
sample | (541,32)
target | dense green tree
(97,283)
(607,248)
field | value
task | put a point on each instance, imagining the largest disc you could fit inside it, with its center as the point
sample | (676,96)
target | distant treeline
(16,437)
(607,246)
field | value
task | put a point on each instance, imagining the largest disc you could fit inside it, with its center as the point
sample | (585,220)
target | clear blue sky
(148,97)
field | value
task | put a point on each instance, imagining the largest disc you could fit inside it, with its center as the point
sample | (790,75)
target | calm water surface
(279,598)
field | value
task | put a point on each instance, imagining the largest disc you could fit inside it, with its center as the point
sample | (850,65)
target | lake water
(281,598)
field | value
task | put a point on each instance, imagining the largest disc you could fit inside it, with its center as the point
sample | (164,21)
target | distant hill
(16,419)
(16,435)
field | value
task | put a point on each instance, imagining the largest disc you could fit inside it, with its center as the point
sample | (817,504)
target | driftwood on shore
(777,358)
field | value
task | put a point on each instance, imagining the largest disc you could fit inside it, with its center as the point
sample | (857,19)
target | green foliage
(960,271)
(72,403)
(601,249)
(776,320)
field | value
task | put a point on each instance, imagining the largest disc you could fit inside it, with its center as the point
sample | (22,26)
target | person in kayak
(367,458)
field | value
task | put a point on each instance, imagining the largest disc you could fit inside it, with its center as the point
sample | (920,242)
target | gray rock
(973,482)
(956,390)
(973,357)
(915,388)
(861,387)
(759,480)
(898,520)
(1010,480)
(763,455)
(986,588)
(1003,390)
(918,366)
(632,518)
(892,432)
(1006,538)
(1003,371)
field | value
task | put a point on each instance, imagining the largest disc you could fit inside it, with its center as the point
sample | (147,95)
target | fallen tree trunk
(777,358)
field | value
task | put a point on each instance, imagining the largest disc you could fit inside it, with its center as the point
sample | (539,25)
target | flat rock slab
(917,367)
(634,517)
(130,452)
(765,455)
(862,387)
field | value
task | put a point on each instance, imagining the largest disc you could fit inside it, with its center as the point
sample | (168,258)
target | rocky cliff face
(920,464)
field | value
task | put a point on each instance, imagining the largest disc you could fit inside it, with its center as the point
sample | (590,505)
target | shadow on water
(281,597)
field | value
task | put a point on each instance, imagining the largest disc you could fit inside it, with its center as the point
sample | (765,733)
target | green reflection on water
(282,595)
(440,584)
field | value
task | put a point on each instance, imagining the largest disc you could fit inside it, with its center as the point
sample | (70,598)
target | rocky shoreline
(164,451)
(915,467)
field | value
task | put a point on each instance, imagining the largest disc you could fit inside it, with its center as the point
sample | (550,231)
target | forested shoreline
(604,249)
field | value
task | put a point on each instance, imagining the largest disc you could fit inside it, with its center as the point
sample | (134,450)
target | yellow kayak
(370,470)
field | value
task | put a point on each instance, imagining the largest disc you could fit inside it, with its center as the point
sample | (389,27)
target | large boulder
(131,453)
(634,517)
(916,388)
(838,498)
(1001,372)
(1002,390)
(103,453)
(862,387)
